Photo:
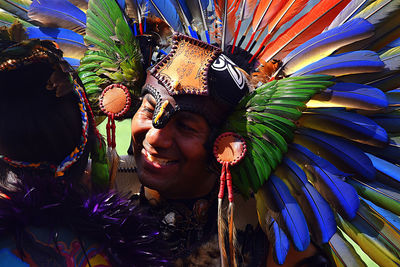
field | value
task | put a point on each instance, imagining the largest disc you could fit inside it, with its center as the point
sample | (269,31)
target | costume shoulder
(321,127)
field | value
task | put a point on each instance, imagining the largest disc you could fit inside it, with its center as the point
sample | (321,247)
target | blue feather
(166,10)
(349,154)
(362,129)
(368,95)
(74,62)
(280,242)
(393,97)
(317,211)
(342,196)
(390,153)
(385,167)
(388,216)
(290,211)
(71,43)
(121,4)
(327,42)
(58,13)
(389,46)
(344,64)
(185,10)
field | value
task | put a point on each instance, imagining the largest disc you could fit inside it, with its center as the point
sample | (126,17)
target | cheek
(140,126)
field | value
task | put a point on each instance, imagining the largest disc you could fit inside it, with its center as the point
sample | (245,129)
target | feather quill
(308,26)
(354,7)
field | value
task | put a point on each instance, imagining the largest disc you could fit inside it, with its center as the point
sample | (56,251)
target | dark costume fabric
(47,223)
(190,229)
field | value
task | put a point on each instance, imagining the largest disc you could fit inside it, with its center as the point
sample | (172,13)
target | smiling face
(172,160)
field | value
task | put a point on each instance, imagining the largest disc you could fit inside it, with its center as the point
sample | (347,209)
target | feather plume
(58,13)
(344,64)
(288,11)
(315,208)
(354,7)
(18,8)
(308,26)
(383,196)
(349,125)
(325,44)
(369,240)
(385,167)
(82,4)
(327,179)
(345,154)
(70,42)
(342,252)
(7,19)
(166,10)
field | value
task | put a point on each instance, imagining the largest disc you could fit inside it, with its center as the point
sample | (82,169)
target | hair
(36,125)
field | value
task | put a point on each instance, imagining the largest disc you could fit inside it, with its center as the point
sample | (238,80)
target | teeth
(160,161)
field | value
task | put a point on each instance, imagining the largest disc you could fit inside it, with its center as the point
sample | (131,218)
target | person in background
(53,212)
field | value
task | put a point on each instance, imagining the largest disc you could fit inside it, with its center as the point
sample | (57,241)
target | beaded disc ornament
(115,102)
(229,149)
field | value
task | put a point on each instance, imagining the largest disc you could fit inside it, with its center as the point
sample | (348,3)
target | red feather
(308,26)
(265,12)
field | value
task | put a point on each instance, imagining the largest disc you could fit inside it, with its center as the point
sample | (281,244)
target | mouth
(158,162)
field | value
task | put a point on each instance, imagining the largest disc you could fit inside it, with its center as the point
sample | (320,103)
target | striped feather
(370,241)
(7,19)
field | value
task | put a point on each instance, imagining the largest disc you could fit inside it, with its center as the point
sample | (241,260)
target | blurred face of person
(172,160)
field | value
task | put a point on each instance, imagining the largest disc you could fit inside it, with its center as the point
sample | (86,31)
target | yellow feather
(370,244)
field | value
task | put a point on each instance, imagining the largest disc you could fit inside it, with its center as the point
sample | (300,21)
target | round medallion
(115,100)
(229,148)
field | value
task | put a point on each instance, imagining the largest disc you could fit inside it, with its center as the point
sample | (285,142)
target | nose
(160,138)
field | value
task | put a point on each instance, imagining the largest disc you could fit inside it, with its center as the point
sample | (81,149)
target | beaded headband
(74,155)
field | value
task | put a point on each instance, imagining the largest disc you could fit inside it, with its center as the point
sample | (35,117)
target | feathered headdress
(316,141)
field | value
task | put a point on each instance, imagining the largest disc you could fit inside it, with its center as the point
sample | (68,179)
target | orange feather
(266,11)
(308,26)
